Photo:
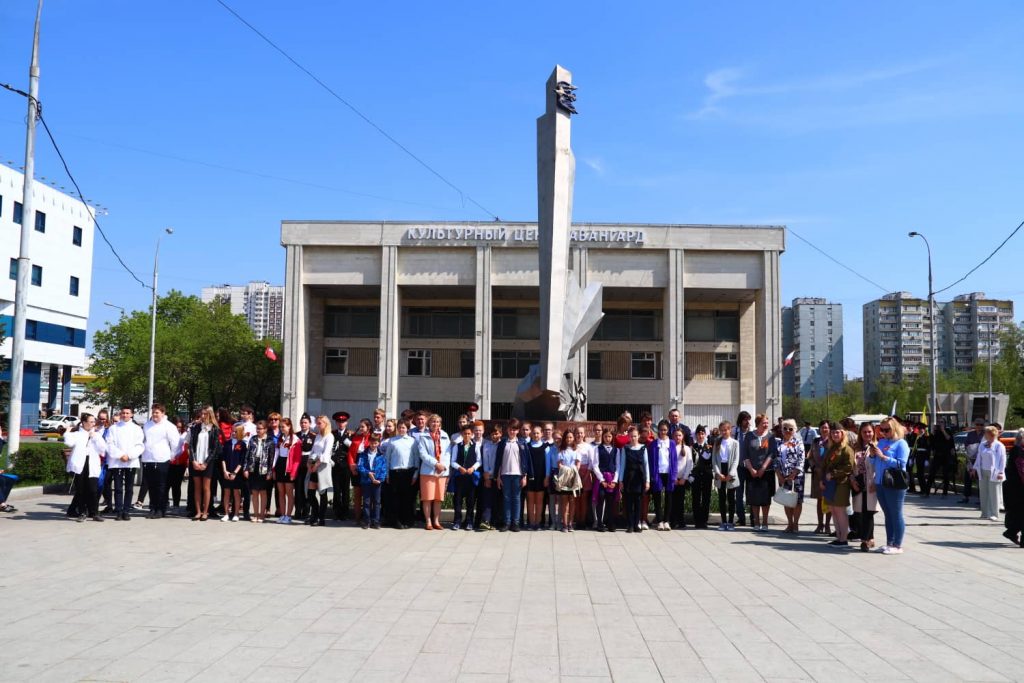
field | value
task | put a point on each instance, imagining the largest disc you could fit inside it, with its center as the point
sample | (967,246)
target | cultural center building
(439,315)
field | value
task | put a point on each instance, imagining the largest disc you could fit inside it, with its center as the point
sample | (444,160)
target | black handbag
(895,478)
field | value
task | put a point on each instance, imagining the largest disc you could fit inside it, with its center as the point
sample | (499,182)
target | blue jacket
(379,467)
(424,448)
(673,465)
(524,460)
(898,453)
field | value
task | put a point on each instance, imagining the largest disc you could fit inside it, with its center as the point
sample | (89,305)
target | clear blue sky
(851,123)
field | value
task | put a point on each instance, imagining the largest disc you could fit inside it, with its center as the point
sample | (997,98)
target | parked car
(50,424)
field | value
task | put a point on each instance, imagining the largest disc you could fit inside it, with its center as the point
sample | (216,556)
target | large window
(37,276)
(629,326)
(467,364)
(335,361)
(727,366)
(643,365)
(417,362)
(76,236)
(593,365)
(40,221)
(712,326)
(513,364)
(516,323)
(73,286)
(438,323)
(14,269)
(351,321)
(18,211)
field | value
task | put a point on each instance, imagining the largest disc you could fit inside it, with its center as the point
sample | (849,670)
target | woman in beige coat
(862,484)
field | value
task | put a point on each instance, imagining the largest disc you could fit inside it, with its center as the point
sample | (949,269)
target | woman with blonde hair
(835,485)
(286,465)
(891,453)
(204,447)
(865,494)
(433,446)
(319,472)
(990,469)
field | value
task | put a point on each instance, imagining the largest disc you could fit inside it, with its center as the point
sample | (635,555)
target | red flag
(269,353)
(789,359)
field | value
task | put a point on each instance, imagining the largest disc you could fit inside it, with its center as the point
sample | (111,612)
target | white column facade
(388,360)
(293,377)
(769,338)
(483,334)
(674,361)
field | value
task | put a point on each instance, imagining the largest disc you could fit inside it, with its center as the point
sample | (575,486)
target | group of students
(511,477)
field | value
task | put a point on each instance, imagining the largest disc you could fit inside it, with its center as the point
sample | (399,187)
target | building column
(65,390)
(51,393)
(578,263)
(483,333)
(769,339)
(30,384)
(296,314)
(674,355)
(390,332)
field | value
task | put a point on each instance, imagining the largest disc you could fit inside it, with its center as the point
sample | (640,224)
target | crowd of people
(520,475)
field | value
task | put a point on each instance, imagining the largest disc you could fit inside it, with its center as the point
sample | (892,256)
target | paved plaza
(175,600)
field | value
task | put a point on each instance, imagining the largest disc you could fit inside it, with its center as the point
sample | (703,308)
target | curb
(25,493)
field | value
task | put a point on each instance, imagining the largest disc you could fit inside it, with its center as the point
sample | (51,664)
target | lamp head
(169,231)
(913,233)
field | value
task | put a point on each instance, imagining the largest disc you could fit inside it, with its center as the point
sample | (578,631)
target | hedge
(40,463)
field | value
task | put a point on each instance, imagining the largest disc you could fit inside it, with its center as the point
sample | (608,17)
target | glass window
(727,366)
(642,365)
(629,326)
(417,362)
(14,269)
(513,364)
(31,329)
(69,336)
(727,326)
(40,221)
(17,212)
(73,288)
(76,236)
(594,365)
(711,326)
(467,364)
(335,361)
(351,321)
(523,323)
(37,276)
(443,323)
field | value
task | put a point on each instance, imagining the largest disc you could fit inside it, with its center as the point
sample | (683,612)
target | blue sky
(850,123)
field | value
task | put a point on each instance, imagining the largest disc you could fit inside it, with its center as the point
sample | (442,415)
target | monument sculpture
(569,313)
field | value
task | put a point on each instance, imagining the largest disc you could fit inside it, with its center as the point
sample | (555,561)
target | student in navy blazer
(663,460)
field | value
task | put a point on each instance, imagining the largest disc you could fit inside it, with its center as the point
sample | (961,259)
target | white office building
(439,315)
(261,303)
(812,328)
(61,253)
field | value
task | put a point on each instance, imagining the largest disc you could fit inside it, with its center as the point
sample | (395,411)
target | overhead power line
(837,262)
(985,260)
(463,195)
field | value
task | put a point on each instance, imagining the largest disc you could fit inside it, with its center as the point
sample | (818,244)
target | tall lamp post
(152,334)
(931,342)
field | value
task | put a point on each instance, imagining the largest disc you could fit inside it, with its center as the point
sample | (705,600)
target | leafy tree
(204,355)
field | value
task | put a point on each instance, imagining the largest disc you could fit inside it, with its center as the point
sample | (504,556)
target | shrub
(40,463)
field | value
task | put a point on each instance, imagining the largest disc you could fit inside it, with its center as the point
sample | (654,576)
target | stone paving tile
(488,607)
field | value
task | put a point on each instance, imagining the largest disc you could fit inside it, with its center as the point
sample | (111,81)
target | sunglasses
(884,430)
(787,429)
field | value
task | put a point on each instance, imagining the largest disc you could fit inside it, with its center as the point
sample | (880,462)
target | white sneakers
(892,550)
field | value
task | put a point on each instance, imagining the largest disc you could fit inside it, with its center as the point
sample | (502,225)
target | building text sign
(444,234)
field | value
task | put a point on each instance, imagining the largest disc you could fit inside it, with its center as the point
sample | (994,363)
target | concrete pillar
(30,385)
(674,357)
(748,358)
(390,332)
(579,363)
(51,394)
(65,390)
(483,333)
(296,312)
(769,339)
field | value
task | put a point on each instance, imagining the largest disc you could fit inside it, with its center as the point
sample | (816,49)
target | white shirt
(162,439)
(124,438)
(685,463)
(991,457)
(723,449)
(588,454)
(663,448)
(85,446)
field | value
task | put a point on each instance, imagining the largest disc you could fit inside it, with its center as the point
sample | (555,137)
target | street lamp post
(152,334)
(120,308)
(991,411)
(931,343)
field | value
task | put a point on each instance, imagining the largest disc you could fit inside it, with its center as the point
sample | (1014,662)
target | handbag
(830,489)
(895,478)
(786,497)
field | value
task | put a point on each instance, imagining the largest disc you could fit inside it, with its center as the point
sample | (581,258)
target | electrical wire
(81,196)
(985,260)
(463,196)
(837,262)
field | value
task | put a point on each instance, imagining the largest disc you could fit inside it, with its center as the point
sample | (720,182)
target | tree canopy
(204,355)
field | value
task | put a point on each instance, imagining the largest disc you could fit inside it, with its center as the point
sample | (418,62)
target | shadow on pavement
(798,544)
(973,544)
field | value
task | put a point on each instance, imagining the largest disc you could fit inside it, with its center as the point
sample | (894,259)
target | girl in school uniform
(257,470)
(583,501)
(606,485)
(285,467)
(319,468)
(204,445)
(701,475)
(538,465)
(634,478)
(664,466)
(684,480)
(232,463)
(568,457)
(726,460)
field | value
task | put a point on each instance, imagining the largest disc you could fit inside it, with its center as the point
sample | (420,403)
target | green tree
(204,355)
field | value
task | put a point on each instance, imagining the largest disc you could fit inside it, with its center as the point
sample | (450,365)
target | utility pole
(991,408)
(152,333)
(932,421)
(24,261)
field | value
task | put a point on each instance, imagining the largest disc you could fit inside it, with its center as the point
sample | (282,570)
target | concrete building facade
(61,252)
(260,302)
(812,328)
(897,333)
(440,315)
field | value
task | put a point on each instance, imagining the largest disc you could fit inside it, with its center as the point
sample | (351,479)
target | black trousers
(633,509)
(727,503)
(738,497)
(938,467)
(155,477)
(318,511)
(301,493)
(175,475)
(605,508)
(341,476)
(86,498)
(403,496)
(968,483)
(701,498)
(493,503)
(108,488)
(678,518)
(662,500)
(123,482)
(465,491)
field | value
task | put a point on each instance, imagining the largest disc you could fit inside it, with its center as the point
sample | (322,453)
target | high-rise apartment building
(897,335)
(812,329)
(261,303)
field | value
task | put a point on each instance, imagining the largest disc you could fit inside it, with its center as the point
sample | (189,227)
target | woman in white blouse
(990,469)
(320,471)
